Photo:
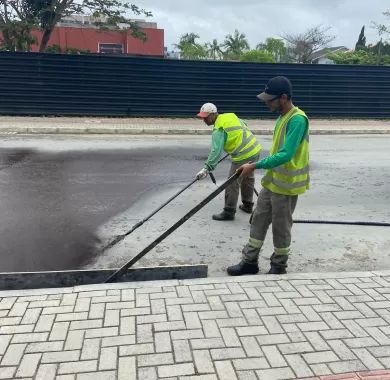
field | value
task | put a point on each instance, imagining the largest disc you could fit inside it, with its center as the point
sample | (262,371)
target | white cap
(206,109)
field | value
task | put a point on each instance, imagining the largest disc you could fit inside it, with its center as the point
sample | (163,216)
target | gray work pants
(278,210)
(247,185)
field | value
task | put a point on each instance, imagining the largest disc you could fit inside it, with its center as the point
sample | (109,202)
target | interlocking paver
(77,367)
(7,372)
(182,351)
(367,358)
(203,361)
(137,349)
(29,338)
(247,328)
(46,372)
(13,354)
(155,359)
(225,370)
(59,331)
(28,365)
(45,347)
(108,358)
(90,349)
(60,356)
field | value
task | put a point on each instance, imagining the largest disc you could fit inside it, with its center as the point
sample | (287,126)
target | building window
(110,48)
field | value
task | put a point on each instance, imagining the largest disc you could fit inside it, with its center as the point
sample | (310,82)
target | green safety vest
(240,143)
(291,178)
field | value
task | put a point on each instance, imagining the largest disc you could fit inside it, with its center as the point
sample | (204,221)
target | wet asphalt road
(57,191)
(53,197)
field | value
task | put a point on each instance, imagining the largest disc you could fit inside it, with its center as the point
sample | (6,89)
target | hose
(348,223)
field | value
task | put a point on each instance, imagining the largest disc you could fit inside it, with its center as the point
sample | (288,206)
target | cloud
(261,19)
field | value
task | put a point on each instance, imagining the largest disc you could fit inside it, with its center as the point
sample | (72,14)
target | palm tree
(189,48)
(186,40)
(235,44)
(214,49)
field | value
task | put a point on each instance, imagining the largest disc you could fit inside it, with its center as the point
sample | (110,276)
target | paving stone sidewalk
(255,327)
(134,126)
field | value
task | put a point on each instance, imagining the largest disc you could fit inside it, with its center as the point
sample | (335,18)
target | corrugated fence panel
(51,84)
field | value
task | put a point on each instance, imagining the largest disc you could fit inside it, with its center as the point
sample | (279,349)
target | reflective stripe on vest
(240,143)
(293,177)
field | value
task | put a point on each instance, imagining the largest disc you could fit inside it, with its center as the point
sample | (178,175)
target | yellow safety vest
(291,178)
(240,143)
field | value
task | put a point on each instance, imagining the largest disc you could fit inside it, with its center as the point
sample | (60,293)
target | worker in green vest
(230,134)
(286,177)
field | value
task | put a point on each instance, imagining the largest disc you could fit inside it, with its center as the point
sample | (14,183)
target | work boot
(226,214)
(243,268)
(277,269)
(246,207)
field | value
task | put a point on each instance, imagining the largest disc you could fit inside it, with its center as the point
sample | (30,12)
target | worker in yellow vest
(230,134)
(286,177)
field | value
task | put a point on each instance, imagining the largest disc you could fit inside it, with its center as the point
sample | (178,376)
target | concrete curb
(163,131)
(67,278)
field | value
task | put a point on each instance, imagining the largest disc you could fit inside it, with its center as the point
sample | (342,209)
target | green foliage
(359,57)
(189,48)
(71,50)
(380,47)
(45,14)
(53,49)
(235,44)
(277,48)
(257,56)
(17,36)
(214,49)
(56,49)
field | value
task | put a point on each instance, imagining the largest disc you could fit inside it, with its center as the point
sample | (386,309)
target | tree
(359,57)
(214,49)
(275,47)
(383,31)
(383,46)
(361,42)
(189,48)
(17,19)
(303,45)
(235,45)
(257,56)
(45,14)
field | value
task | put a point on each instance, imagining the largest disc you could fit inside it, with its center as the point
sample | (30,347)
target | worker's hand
(202,174)
(247,169)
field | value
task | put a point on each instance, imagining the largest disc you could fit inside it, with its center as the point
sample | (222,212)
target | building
(320,56)
(79,32)
(172,54)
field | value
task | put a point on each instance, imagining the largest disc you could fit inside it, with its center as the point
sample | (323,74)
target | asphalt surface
(61,197)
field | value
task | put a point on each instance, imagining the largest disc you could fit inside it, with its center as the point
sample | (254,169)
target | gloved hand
(202,174)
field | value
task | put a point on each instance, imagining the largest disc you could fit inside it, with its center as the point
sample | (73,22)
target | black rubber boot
(277,269)
(226,214)
(246,207)
(278,264)
(242,268)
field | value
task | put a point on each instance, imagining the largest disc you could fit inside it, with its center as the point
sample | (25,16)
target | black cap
(277,86)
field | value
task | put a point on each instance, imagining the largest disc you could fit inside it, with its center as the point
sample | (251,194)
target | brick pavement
(253,327)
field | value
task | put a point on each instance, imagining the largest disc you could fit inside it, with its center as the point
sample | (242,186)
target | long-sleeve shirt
(295,133)
(218,139)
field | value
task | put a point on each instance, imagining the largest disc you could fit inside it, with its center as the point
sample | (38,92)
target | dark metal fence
(51,84)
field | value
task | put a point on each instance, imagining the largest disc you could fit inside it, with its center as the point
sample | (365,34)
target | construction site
(125,253)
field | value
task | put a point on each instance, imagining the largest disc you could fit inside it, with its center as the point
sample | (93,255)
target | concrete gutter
(58,279)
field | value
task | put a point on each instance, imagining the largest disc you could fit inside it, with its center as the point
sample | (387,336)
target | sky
(259,19)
